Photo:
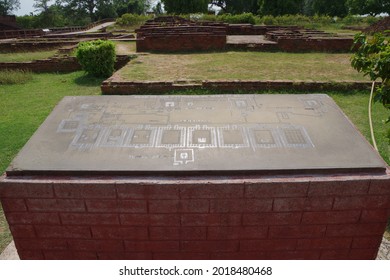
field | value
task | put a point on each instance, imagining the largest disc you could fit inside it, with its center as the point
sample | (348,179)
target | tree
(185,6)
(7,6)
(280,7)
(373,59)
(371,7)
(237,6)
(93,8)
(325,7)
(158,9)
(132,6)
(41,5)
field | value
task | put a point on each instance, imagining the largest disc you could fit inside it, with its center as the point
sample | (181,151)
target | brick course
(322,217)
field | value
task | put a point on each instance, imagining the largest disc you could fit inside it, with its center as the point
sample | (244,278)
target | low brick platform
(197,177)
(115,86)
(322,217)
(56,64)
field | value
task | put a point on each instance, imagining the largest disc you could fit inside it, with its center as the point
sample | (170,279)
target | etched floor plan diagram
(197,133)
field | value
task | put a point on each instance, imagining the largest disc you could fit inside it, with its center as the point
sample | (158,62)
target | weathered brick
(335,254)
(375,216)
(367,242)
(41,244)
(58,255)
(211,219)
(13,205)
(134,233)
(150,219)
(356,230)
(239,256)
(303,204)
(44,190)
(331,217)
(138,191)
(276,189)
(96,245)
(63,232)
(89,219)
(212,191)
(291,218)
(338,188)
(125,256)
(71,190)
(30,255)
(179,206)
(56,205)
(152,246)
(22,231)
(363,254)
(268,245)
(181,256)
(26,190)
(33,218)
(241,206)
(380,187)
(210,246)
(276,232)
(237,233)
(361,202)
(178,233)
(295,255)
(324,243)
(116,206)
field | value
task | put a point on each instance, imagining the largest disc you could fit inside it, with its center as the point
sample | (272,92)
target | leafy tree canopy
(185,6)
(8,6)
(371,7)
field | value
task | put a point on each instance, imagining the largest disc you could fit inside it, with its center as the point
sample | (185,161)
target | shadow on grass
(89,81)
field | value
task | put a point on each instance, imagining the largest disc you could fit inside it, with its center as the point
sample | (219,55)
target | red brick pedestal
(310,217)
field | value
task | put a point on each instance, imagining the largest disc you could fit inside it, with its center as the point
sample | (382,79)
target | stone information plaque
(270,134)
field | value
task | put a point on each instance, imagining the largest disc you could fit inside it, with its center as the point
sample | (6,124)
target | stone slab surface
(276,134)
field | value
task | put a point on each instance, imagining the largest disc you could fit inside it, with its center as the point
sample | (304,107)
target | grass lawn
(26,56)
(241,66)
(24,108)
(125,47)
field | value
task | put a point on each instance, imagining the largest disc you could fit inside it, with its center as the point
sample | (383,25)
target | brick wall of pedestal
(324,217)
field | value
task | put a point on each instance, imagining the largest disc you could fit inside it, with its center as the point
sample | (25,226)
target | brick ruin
(173,34)
(62,64)
(8,23)
(177,34)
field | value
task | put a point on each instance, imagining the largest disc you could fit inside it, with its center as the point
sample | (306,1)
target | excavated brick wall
(319,217)
(69,64)
(115,87)
(181,42)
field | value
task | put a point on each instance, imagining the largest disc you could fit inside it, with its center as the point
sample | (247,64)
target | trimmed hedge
(97,57)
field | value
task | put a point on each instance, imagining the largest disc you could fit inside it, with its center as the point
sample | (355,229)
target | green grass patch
(241,66)
(11,77)
(26,56)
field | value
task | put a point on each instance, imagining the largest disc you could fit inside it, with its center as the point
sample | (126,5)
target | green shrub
(12,77)
(132,20)
(97,57)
